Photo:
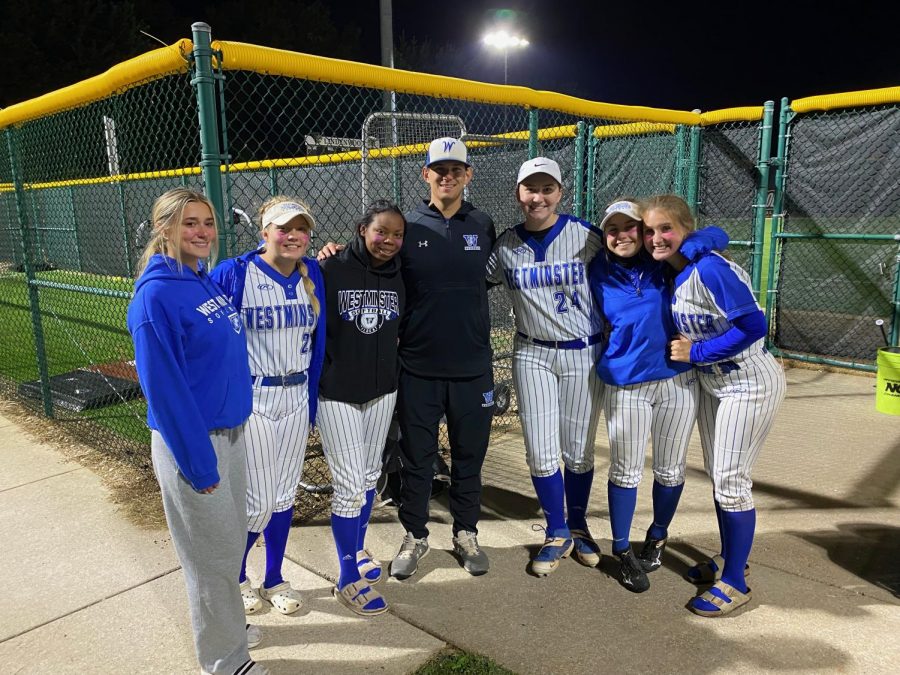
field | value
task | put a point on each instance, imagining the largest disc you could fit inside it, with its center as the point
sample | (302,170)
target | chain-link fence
(838,229)
(82,168)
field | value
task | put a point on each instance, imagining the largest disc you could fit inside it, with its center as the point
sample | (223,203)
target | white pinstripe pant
(559,405)
(664,410)
(276,436)
(737,411)
(353,436)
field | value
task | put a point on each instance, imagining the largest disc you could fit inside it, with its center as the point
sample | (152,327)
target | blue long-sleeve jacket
(635,298)
(191,355)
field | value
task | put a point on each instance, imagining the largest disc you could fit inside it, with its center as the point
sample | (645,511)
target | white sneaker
(252,603)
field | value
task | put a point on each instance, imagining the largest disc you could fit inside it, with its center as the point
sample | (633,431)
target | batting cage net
(82,166)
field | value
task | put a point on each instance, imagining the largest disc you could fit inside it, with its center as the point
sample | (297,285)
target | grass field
(80,330)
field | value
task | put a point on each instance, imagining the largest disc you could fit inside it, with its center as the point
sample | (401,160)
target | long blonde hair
(301,264)
(674,206)
(166,221)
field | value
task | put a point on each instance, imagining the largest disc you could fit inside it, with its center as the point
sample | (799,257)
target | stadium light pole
(503,40)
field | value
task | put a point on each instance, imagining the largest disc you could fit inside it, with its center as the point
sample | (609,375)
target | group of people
(640,316)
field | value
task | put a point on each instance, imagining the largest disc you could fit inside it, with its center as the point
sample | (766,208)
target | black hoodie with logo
(363,307)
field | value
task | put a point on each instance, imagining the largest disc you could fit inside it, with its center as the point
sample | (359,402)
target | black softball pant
(469,407)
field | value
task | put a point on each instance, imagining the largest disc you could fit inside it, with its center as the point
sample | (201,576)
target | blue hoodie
(232,273)
(191,355)
(635,297)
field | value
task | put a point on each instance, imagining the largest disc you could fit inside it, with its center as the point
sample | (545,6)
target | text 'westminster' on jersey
(543,276)
(275,317)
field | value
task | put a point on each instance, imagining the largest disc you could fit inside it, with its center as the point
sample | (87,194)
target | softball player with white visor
(542,263)
(280,296)
(647,394)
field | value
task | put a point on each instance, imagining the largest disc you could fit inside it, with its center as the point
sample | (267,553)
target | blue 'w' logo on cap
(448,145)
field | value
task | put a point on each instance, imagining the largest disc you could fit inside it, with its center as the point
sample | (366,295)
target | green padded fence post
(693,188)
(33,299)
(578,179)
(533,130)
(210,155)
(229,224)
(591,168)
(785,115)
(762,191)
(680,160)
(273,181)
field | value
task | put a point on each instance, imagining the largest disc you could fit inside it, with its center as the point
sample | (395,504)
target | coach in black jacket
(445,356)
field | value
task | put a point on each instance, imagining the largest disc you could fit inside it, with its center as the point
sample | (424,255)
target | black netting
(843,179)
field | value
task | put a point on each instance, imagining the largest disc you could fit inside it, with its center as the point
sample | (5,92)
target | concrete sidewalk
(92,593)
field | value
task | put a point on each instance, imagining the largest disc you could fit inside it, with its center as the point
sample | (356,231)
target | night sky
(706,55)
(670,55)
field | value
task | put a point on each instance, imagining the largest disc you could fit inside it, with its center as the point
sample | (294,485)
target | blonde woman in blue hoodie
(191,355)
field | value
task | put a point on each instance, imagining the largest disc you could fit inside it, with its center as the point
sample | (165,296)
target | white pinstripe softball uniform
(354,435)
(663,410)
(280,322)
(646,395)
(740,395)
(558,390)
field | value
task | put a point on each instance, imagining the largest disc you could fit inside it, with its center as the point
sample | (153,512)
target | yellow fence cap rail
(851,99)
(268,61)
(745,114)
(632,129)
(140,69)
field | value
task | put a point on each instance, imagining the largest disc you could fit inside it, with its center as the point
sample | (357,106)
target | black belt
(719,368)
(578,343)
(280,380)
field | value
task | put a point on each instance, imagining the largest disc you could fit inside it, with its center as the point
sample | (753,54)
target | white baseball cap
(447,150)
(282,212)
(625,208)
(540,165)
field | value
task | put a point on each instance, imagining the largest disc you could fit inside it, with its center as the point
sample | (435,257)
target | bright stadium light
(503,40)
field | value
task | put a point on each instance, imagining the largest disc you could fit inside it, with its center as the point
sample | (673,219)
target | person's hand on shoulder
(680,349)
(329,250)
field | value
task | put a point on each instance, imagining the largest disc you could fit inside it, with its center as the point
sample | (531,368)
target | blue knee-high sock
(251,539)
(622,501)
(738,529)
(346,537)
(551,494)
(665,501)
(364,516)
(276,534)
(578,491)
(721,528)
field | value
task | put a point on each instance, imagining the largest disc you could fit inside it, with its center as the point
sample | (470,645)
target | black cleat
(650,556)
(631,575)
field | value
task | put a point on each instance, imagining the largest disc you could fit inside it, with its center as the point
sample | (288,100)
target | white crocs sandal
(252,603)
(283,598)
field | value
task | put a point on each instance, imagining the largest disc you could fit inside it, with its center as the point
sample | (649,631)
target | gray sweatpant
(209,533)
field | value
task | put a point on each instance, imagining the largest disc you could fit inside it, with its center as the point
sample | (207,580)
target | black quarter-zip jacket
(363,307)
(445,331)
